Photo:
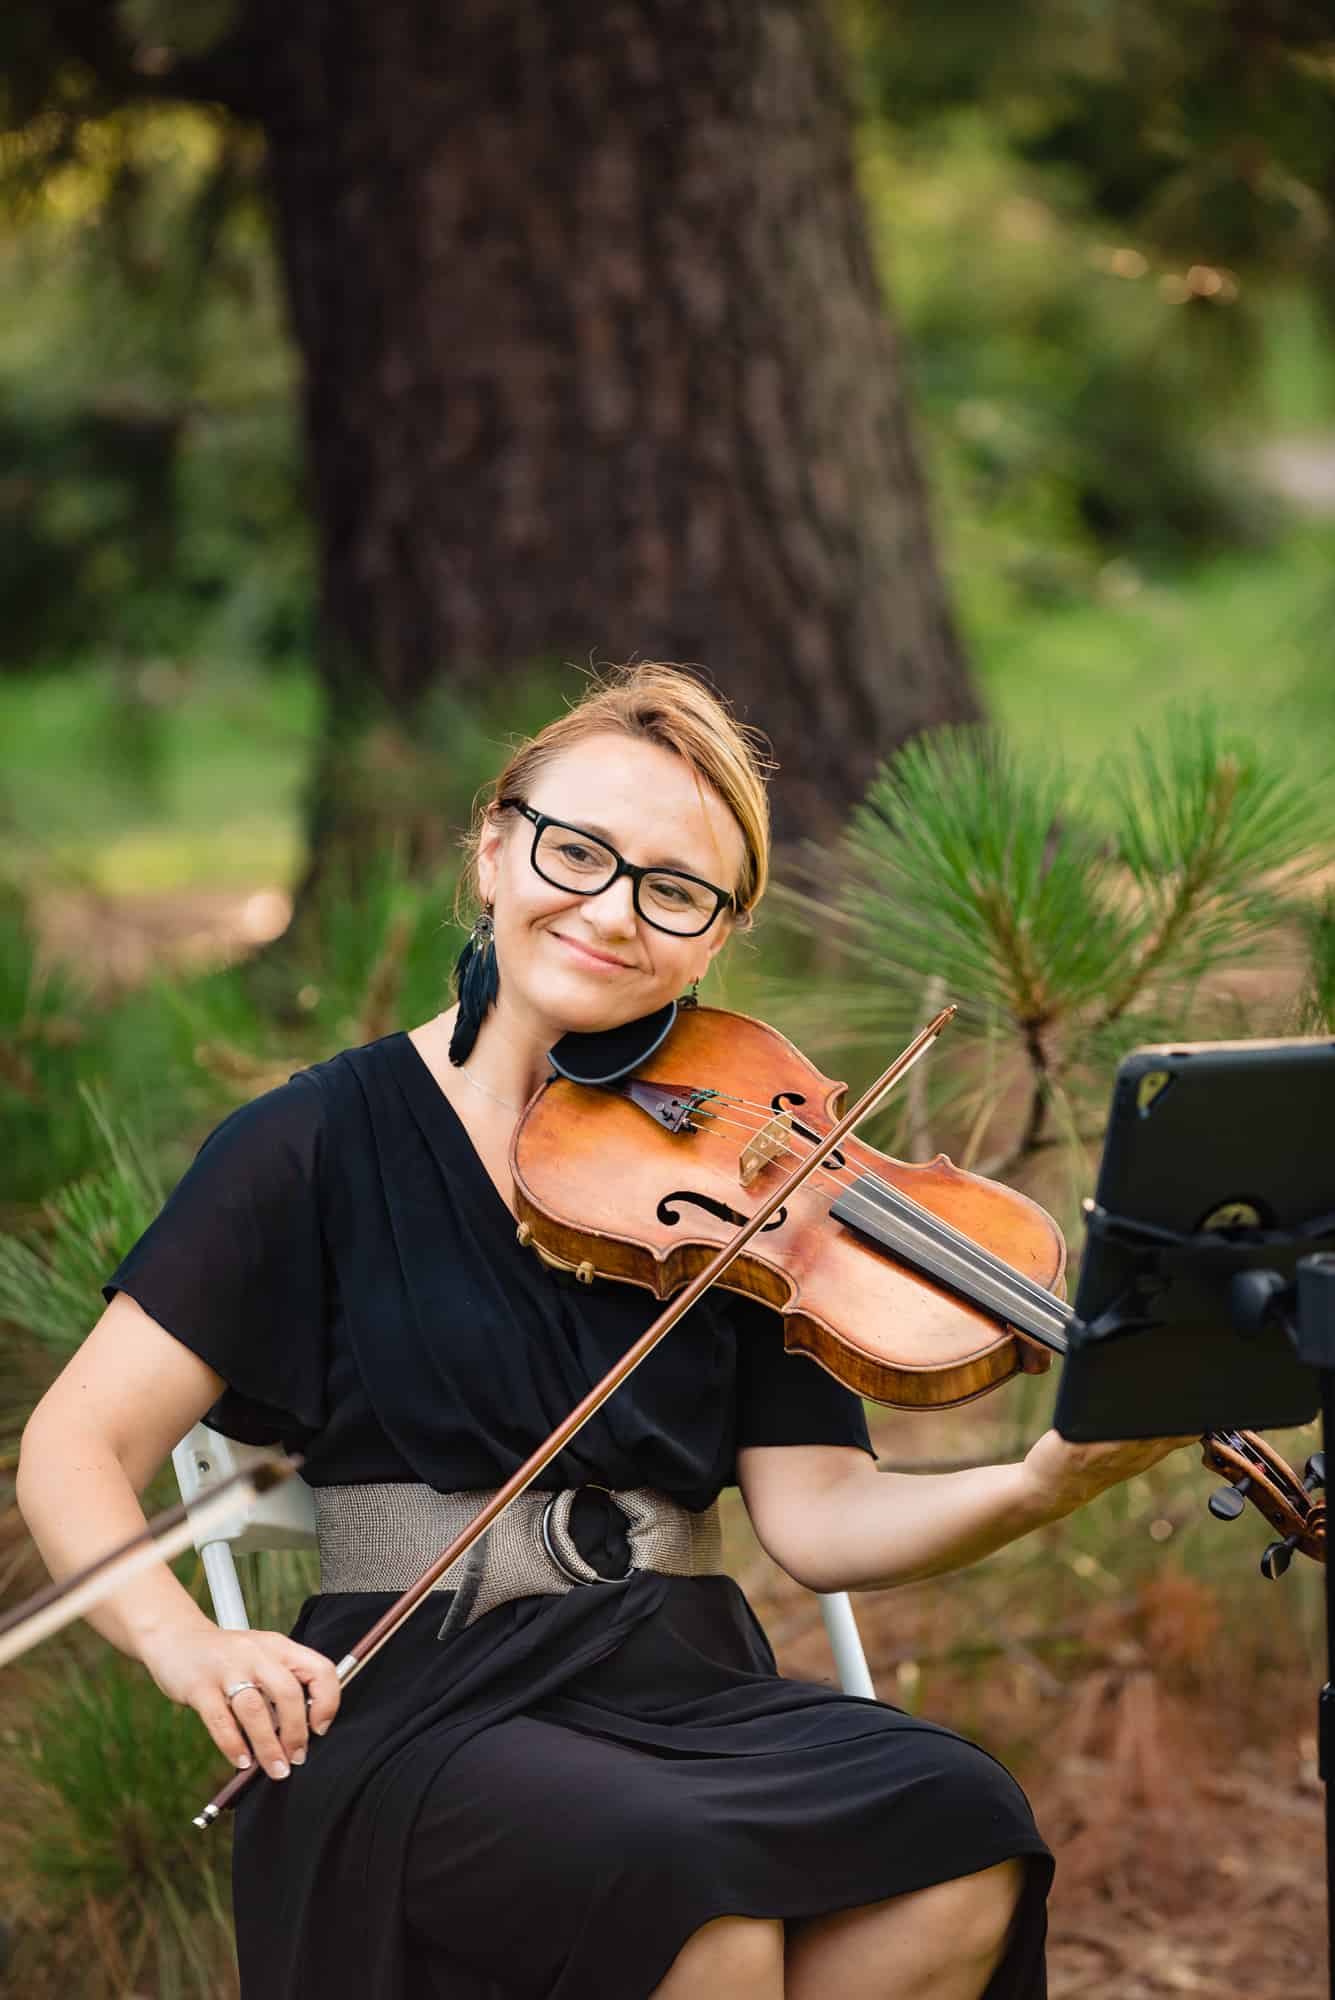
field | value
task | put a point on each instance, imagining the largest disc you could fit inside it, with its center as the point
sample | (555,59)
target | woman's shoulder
(320,1084)
(297,1109)
(351,1074)
(329,1110)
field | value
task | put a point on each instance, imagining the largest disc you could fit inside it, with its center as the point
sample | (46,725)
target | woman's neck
(508,1060)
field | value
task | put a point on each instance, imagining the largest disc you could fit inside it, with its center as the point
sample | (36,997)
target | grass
(1254,634)
(156,777)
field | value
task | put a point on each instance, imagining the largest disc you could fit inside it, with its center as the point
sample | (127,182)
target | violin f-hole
(666,1213)
(836,1158)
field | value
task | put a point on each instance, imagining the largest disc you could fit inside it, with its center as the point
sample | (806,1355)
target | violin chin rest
(611,1053)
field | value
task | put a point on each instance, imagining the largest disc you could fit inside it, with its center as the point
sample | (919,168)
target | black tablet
(1219,1157)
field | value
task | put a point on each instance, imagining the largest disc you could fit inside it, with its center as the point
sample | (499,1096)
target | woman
(551,1788)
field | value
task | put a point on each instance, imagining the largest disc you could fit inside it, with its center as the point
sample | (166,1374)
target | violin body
(605,1186)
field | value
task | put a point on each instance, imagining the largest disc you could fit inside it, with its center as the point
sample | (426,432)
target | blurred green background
(1104,236)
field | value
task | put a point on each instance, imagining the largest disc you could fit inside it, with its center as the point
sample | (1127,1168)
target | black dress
(546,1805)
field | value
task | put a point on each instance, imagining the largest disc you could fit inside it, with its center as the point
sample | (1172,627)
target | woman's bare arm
(834,1522)
(94,1441)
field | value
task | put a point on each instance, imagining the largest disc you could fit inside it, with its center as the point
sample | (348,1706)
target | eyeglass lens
(577,861)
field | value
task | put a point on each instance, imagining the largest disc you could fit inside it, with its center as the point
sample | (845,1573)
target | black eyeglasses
(569,858)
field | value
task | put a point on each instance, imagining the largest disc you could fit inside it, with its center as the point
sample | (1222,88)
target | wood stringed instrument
(918,1286)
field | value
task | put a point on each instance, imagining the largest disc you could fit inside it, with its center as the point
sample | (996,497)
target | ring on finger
(239,1687)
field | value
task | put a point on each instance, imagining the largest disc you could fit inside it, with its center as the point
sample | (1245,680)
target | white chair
(285,1519)
(281,1519)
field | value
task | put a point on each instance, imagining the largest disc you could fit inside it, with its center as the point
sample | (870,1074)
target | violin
(918,1286)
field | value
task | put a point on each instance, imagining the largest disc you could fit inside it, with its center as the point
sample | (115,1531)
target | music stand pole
(1313,1333)
(1305,1308)
(1325,1725)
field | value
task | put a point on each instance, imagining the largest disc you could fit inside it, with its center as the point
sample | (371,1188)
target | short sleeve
(234,1267)
(787,1398)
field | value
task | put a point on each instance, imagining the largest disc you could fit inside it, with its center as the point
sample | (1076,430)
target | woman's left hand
(1066,1476)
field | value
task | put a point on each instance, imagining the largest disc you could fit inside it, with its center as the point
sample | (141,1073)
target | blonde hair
(668,705)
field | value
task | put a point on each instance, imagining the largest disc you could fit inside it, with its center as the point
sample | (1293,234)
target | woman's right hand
(296,1691)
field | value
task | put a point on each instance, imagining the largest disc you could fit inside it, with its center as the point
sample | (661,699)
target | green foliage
(153,501)
(976,874)
(1206,132)
(60,1056)
(1254,635)
(960,864)
(392,804)
(1316,1014)
(40,1029)
(49,1284)
(374,955)
(111,1774)
(1074,408)
(1093,219)
(154,776)
(1207,831)
(275,1584)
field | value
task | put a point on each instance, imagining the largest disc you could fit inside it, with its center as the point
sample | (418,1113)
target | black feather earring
(477,981)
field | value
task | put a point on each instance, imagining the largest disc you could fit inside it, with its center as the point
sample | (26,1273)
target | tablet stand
(1264,1304)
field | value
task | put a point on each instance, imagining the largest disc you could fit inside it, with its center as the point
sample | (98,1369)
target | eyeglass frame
(541,821)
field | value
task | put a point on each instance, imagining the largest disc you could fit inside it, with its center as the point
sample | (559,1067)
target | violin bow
(388,1624)
(166,1535)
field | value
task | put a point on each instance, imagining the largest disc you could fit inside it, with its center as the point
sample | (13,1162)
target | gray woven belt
(383,1537)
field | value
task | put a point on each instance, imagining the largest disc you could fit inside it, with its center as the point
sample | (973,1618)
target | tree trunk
(598,365)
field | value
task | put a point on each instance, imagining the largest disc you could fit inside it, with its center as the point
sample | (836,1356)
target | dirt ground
(1190,1856)
(1185,1864)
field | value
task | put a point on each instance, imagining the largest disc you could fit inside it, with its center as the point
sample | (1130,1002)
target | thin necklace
(493,1095)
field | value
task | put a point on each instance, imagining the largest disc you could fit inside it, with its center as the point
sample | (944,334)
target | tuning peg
(1316,1472)
(1227,1502)
(1278,1557)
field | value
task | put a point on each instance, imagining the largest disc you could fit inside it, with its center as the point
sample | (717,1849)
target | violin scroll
(1256,1473)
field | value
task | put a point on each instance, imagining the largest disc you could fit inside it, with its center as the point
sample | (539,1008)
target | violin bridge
(768,1144)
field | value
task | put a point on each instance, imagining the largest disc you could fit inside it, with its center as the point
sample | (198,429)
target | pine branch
(1194,884)
(49,1282)
(1209,836)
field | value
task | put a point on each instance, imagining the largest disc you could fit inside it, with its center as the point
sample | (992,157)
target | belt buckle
(565,1569)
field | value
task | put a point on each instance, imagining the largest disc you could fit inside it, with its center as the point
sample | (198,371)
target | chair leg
(229,1606)
(846,1644)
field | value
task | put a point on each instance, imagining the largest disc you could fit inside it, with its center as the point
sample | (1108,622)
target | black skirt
(550,1816)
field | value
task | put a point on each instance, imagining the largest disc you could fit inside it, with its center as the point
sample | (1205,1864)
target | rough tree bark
(597,362)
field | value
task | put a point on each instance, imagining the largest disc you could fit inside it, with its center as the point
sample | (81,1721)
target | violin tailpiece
(671,1105)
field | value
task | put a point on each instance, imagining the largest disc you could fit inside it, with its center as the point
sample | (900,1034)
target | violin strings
(821,1176)
(832,1177)
(911,1211)
(908,1210)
